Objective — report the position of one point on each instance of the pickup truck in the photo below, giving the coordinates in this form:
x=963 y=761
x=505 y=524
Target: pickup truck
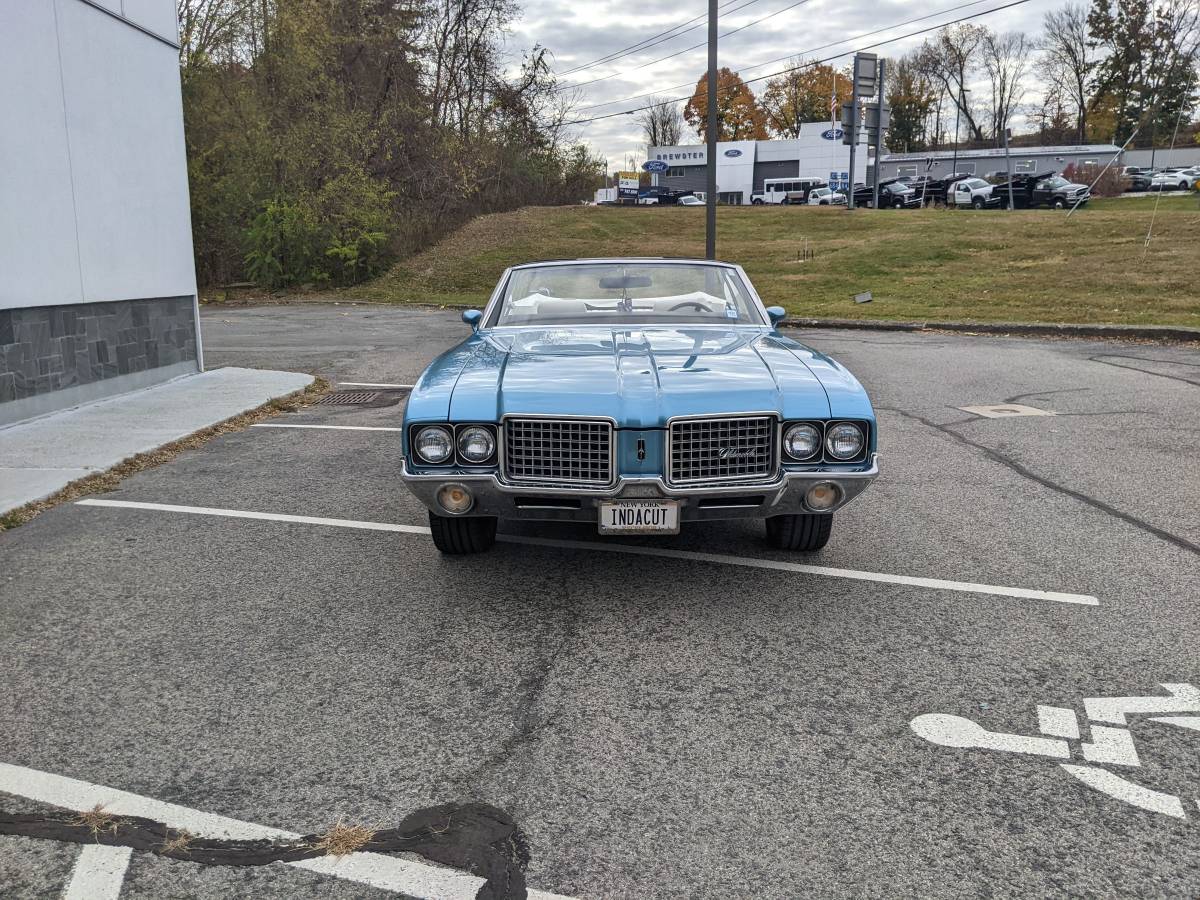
x=932 y=191
x=976 y=194
x=1044 y=189
x=893 y=194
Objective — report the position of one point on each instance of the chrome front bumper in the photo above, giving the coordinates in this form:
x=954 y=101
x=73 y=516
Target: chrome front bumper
x=493 y=497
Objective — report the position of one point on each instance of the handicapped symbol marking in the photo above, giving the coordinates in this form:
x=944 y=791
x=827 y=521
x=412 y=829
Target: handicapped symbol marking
x=1109 y=745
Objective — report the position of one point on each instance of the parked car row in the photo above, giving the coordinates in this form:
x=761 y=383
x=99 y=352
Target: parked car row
x=1172 y=178
x=964 y=190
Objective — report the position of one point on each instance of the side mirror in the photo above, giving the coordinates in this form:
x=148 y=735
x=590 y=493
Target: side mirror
x=472 y=317
x=777 y=314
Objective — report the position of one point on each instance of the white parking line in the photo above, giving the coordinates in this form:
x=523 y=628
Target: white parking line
x=246 y=514
x=691 y=555
x=387 y=872
x=368 y=384
x=99 y=873
x=328 y=427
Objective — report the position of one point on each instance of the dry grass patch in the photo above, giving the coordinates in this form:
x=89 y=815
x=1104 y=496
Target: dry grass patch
x=176 y=845
x=98 y=821
x=342 y=839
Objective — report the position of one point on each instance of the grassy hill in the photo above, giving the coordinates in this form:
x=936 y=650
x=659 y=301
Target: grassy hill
x=1024 y=266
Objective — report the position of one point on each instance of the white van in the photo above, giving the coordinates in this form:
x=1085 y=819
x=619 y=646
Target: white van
x=787 y=190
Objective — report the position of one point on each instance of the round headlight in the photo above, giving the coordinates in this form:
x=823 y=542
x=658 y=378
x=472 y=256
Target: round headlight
x=801 y=441
x=476 y=444
x=434 y=444
x=844 y=441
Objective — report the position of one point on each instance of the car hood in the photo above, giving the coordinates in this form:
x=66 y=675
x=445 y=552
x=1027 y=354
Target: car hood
x=637 y=376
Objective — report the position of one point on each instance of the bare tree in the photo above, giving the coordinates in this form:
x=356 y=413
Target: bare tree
x=950 y=59
x=661 y=122
x=209 y=27
x=1066 y=62
x=1006 y=62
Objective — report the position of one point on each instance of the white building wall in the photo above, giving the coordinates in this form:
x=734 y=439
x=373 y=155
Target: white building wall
x=93 y=170
x=818 y=151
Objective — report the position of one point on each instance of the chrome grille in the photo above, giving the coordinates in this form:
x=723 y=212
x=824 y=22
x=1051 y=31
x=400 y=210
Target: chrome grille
x=729 y=449
x=575 y=451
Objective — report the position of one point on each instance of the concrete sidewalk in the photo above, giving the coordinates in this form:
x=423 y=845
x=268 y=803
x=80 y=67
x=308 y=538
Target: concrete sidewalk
x=41 y=456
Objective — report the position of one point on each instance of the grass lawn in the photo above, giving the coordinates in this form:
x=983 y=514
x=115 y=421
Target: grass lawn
x=926 y=265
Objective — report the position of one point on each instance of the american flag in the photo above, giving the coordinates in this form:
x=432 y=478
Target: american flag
x=833 y=104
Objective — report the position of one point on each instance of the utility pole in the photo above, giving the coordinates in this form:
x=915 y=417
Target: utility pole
x=853 y=140
x=879 y=131
x=710 y=201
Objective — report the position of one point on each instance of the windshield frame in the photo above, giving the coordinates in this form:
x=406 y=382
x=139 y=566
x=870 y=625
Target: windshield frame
x=491 y=311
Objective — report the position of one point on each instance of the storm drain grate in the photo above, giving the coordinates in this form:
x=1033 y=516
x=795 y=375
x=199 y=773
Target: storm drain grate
x=348 y=398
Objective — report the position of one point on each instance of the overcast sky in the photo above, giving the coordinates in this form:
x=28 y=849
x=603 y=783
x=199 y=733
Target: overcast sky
x=578 y=33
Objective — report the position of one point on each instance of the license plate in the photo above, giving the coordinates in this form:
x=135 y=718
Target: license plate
x=639 y=517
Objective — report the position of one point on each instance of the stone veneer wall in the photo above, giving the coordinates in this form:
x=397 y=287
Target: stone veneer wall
x=50 y=348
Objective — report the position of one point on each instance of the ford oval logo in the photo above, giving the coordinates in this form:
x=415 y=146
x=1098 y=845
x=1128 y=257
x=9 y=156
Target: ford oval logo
x=656 y=165
x=733 y=152
x=832 y=134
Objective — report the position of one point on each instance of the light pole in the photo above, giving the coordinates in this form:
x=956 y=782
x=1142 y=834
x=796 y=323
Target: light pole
x=962 y=101
x=710 y=150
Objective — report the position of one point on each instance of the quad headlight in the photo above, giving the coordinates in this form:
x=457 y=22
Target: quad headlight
x=476 y=444
x=434 y=444
x=844 y=441
x=802 y=441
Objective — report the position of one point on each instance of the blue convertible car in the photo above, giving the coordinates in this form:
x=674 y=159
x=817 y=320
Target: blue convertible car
x=635 y=394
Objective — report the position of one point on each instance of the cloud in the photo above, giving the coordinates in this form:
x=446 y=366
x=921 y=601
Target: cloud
x=580 y=34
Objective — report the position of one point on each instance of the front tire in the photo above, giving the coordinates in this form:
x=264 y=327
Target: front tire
x=1060 y=203
x=756 y=202
x=977 y=203
x=804 y=532
x=458 y=537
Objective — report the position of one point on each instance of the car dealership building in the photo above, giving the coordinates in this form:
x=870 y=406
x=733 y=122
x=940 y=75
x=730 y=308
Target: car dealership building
x=97 y=279
x=743 y=166
x=1025 y=160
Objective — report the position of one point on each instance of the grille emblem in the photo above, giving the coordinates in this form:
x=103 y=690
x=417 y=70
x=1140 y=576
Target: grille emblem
x=735 y=452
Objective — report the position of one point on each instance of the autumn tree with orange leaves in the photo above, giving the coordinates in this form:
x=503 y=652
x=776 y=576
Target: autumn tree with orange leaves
x=802 y=94
x=739 y=117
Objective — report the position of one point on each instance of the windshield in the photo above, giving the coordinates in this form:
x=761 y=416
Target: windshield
x=1056 y=182
x=629 y=293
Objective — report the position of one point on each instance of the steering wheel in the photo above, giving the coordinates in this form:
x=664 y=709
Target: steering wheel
x=695 y=304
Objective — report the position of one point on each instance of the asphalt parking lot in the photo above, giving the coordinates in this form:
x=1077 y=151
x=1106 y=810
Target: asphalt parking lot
x=697 y=716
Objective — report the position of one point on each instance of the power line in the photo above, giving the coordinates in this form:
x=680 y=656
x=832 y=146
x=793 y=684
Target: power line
x=652 y=62
x=815 y=62
x=678 y=87
x=651 y=41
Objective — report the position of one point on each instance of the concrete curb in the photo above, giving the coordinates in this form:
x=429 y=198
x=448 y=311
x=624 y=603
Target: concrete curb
x=1167 y=334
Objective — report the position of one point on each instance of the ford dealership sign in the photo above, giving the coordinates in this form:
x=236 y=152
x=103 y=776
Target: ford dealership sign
x=656 y=165
x=832 y=134
x=733 y=151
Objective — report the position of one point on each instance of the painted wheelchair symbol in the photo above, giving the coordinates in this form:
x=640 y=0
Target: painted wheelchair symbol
x=1111 y=742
